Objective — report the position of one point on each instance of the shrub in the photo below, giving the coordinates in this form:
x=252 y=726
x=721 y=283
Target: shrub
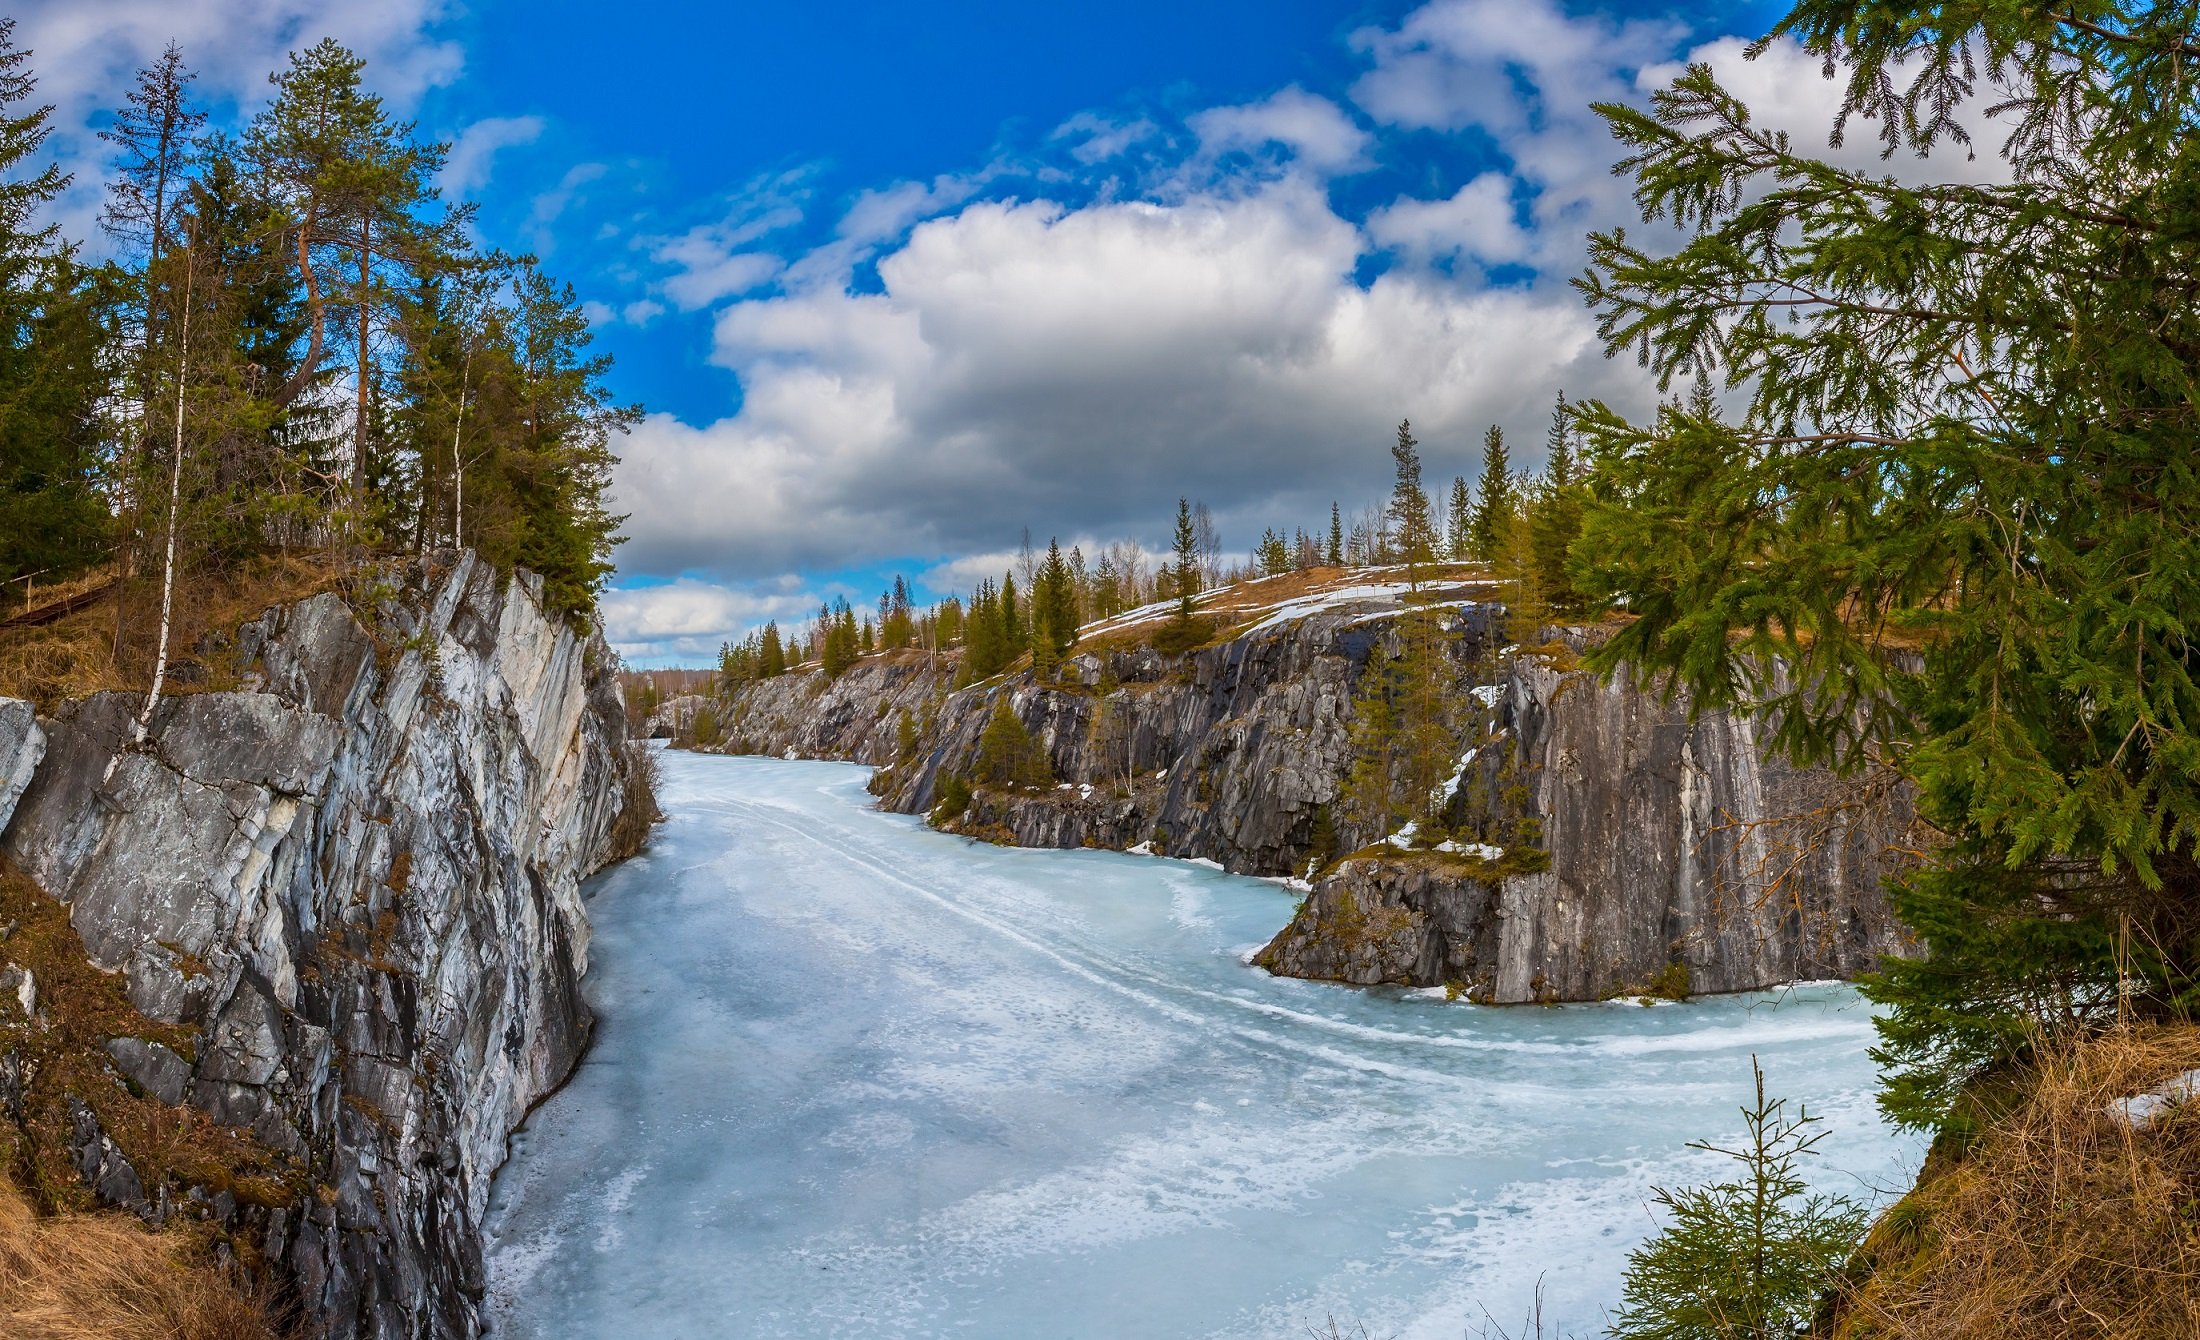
x=1007 y=755
x=638 y=809
x=1182 y=635
x=952 y=797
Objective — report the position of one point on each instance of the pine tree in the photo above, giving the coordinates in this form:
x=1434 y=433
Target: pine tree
x=1496 y=499
x=772 y=653
x=1954 y=528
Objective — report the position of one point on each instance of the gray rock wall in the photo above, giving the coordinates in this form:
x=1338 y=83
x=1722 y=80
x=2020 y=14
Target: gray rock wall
x=1665 y=840
x=1662 y=842
x=358 y=877
x=855 y=718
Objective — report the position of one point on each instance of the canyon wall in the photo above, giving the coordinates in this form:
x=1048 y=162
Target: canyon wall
x=345 y=898
x=1599 y=841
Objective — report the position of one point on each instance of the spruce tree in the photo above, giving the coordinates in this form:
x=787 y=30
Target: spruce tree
x=1184 y=572
x=1459 y=528
x=1496 y=499
x=1411 y=522
x=1334 y=555
x=1554 y=520
x=1054 y=606
x=1015 y=626
x=1953 y=528
x=53 y=339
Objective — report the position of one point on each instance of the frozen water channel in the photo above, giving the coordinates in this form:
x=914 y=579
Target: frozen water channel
x=856 y=1078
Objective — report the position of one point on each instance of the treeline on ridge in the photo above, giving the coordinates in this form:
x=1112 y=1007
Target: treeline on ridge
x=296 y=349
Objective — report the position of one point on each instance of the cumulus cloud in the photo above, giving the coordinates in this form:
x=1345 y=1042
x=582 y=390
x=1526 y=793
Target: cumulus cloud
x=688 y=620
x=474 y=150
x=1076 y=370
x=1074 y=363
x=1479 y=221
x=1316 y=131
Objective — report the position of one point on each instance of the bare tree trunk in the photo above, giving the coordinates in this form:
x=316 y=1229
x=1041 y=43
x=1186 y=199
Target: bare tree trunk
x=175 y=506
x=458 y=461
x=359 y=419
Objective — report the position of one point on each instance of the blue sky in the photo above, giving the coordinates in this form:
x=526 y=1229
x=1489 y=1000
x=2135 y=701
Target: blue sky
x=896 y=282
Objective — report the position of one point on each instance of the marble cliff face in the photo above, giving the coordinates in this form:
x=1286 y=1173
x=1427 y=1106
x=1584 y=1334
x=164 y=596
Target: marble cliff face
x=355 y=882
x=1659 y=843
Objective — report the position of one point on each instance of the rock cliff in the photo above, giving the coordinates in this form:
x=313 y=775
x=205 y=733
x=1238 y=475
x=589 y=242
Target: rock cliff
x=345 y=897
x=1601 y=841
x=1667 y=855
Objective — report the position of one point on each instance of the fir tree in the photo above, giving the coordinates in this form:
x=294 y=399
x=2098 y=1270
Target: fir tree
x=1554 y=518
x=1015 y=628
x=1054 y=607
x=1955 y=526
x=1007 y=754
x=53 y=334
x=1334 y=555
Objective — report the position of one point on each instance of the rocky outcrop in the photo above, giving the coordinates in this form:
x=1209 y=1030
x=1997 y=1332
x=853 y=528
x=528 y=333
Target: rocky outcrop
x=356 y=880
x=1233 y=753
x=1667 y=854
x=1601 y=840
x=855 y=718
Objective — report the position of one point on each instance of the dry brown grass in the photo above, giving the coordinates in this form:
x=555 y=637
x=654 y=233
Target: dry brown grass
x=104 y=1277
x=81 y=1007
x=78 y=654
x=2059 y=1223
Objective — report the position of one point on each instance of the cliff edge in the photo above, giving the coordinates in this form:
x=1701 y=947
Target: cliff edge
x=343 y=898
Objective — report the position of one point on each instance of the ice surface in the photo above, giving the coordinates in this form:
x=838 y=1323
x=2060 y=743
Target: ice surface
x=853 y=1078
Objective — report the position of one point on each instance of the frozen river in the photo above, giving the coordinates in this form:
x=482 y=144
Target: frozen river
x=852 y=1077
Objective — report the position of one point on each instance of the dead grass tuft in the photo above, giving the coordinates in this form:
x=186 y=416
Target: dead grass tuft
x=103 y=1277
x=2058 y=1222
x=63 y=1056
x=79 y=654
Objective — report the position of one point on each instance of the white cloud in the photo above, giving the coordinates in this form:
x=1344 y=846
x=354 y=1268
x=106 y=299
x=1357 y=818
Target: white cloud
x=473 y=151
x=726 y=258
x=1785 y=89
x=1479 y=220
x=1077 y=369
x=1522 y=72
x=1093 y=138
x=87 y=53
x=551 y=204
x=687 y=620
x=1315 y=130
